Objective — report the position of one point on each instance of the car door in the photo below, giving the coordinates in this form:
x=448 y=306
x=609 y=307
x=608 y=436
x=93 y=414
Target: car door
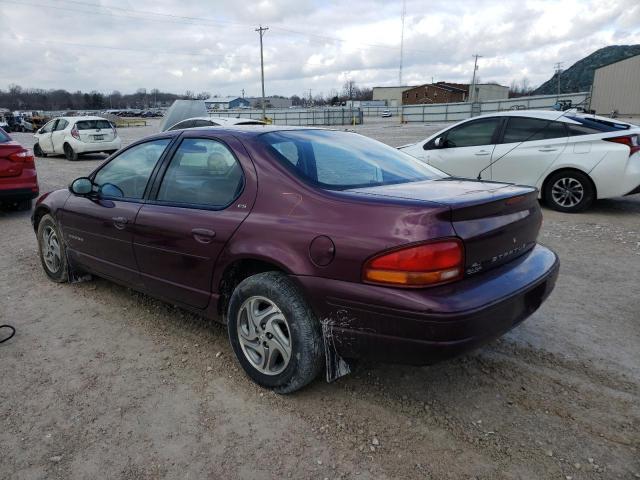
x=201 y=197
x=98 y=228
x=465 y=150
x=44 y=136
x=58 y=135
x=526 y=149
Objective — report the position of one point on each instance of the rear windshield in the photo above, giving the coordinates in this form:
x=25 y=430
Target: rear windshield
x=343 y=160
x=594 y=125
x=3 y=136
x=93 y=124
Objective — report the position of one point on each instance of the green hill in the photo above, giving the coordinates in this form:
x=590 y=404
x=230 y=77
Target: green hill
x=579 y=77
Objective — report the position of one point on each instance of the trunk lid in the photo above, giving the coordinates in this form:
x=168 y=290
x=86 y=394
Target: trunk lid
x=8 y=167
x=95 y=131
x=497 y=222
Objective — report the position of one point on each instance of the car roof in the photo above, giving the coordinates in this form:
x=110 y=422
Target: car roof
x=77 y=119
x=222 y=120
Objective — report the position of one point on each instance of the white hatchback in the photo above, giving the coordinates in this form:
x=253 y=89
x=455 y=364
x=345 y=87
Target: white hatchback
x=72 y=136
x=572 y=158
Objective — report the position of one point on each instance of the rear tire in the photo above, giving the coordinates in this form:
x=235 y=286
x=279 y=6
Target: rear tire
x=569 y=191
x=38 y=151
x=52 y=250
x=70 y=153
x=269 y=319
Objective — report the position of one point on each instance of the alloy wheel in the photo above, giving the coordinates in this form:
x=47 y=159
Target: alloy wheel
x=51 y=250
x=264 y=335
x=567 y=192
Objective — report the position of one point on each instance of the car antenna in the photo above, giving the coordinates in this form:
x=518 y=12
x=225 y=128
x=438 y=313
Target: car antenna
x=479 y=177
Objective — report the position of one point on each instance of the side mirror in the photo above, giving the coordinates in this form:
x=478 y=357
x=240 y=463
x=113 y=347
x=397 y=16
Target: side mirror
x=438 y=142
x=81 y=186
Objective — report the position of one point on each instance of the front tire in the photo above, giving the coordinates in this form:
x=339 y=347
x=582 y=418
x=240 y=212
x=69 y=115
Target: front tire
x=52 y=250
x=274 y=333
x=70 y=153
x=569 y=191
x=38 y=151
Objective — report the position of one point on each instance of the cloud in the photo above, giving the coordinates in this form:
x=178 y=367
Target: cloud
x=185 y=45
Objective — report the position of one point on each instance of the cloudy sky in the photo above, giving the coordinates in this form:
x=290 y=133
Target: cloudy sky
x=212 y=46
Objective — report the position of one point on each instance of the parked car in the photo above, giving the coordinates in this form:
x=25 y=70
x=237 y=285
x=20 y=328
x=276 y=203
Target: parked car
x=73 y=136
x=213 y=122
x=572 y=158
x=18 y=177
x=386 y=113
x=311 y=245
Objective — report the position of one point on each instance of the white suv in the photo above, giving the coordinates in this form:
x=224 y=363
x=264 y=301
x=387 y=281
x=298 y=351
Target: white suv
x=72 y=136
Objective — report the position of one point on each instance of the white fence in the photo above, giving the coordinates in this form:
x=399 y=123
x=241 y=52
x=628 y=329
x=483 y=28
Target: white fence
x=298 y=116
x=453 y=112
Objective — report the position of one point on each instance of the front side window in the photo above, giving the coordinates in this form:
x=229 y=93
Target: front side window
x=472 y=134
x=202 y=172
x=61 y=125
x=522 y=129
x=48 y=127
x=343 y=160
x=127 y=174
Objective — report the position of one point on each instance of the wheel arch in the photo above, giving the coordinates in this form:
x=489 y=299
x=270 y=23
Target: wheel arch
x=238 y=270
x=39 y=212
x=545 y=182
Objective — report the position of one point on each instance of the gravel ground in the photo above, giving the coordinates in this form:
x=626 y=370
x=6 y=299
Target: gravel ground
x=104 y=382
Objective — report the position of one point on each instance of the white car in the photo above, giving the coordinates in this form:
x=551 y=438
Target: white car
x=571 y=158
x=386 y=114
x=72 y=136
x=213 y=122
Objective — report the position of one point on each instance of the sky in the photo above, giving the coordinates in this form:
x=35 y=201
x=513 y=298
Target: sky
x=212 y=45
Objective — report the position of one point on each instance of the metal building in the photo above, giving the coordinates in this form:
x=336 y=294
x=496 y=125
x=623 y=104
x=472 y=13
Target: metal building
x=616 y=87
x=391 y=95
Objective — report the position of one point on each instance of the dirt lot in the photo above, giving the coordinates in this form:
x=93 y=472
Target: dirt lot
x=103 y=382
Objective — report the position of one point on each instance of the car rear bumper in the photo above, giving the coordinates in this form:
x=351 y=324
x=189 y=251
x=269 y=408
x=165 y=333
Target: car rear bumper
x=86 y=147
x=18 y=194
x=424 y=326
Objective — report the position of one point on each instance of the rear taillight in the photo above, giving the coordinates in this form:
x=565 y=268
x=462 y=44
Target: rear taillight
x=75 y=133
x=417 y=265
x=24 y=156
x=631 y=141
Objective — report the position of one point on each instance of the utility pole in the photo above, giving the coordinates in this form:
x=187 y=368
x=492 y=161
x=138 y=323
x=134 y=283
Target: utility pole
x=404 y=12
x=310 y=98
x=472 y=94
x=243 y=93
x=261 y=31
x=558 y=69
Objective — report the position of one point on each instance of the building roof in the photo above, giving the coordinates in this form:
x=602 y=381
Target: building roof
x=617 y=61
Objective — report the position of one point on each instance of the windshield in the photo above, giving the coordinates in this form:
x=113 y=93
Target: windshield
x=343 y=160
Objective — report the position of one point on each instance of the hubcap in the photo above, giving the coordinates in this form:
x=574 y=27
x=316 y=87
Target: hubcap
x=264 y=335
x=567 y=192
x=51 y=250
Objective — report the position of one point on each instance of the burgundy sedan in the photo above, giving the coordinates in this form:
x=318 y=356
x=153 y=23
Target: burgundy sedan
x=314 y=246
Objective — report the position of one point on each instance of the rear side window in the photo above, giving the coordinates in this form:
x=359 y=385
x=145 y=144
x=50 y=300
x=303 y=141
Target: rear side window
x=202 y=172
x=185 y=124
x=471 y=134
x=93 y=124
x=127 y=174
x=203 y=123
x=521 y=129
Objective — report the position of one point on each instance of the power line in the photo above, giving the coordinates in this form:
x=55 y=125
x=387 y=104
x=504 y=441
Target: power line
x=261 y=30
x=404 y=12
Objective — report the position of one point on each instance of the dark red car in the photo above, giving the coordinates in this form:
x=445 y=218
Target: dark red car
x=314 y=246
x=18 y=178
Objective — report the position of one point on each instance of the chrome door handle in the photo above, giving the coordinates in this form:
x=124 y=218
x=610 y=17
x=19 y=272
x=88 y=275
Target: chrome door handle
x=547 y=149
x=203 y=235
x=482 y=152
x=119 y=222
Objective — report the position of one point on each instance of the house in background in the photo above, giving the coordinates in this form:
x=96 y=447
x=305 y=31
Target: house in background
x=447 y=92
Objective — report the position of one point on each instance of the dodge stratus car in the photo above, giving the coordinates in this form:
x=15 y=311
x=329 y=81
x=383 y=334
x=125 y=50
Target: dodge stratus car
x=313 y=246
